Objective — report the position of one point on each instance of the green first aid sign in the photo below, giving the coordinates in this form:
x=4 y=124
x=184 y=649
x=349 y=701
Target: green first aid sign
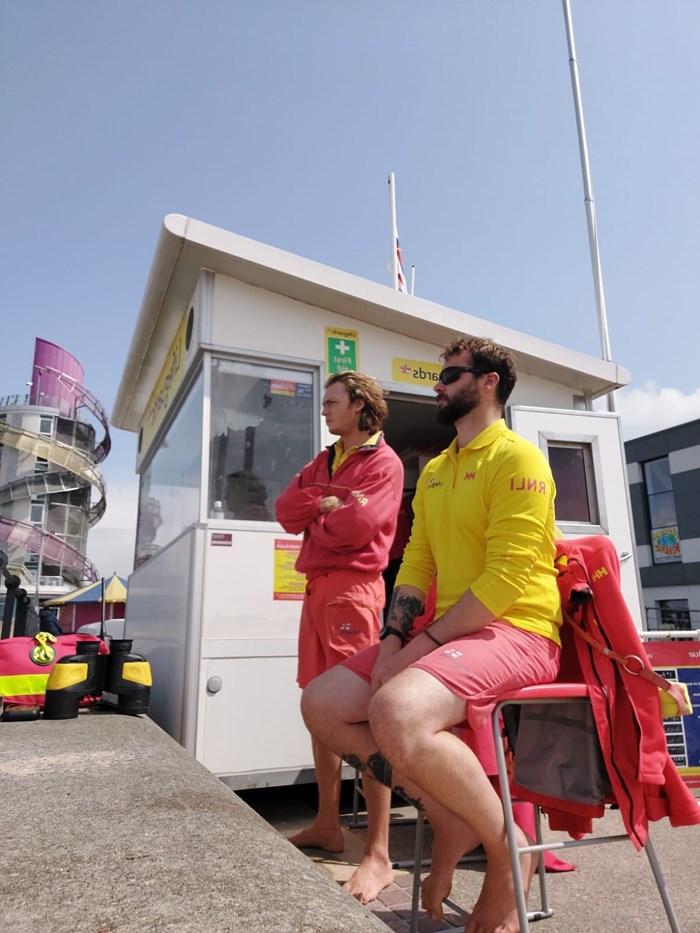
x=341 y=350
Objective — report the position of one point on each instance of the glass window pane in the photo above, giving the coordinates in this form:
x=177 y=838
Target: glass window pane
x=262 y=420
x=675 y=614
x=665 y=540
x=573 y=475
x=657 y=474
x=662 y=510
x=170 y=484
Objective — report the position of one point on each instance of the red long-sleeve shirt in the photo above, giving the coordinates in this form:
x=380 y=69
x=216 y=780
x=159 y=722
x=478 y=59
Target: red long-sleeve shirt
x=358 y=535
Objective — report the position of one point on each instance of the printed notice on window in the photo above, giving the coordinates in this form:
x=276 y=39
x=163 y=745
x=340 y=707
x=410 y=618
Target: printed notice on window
x=288 y=582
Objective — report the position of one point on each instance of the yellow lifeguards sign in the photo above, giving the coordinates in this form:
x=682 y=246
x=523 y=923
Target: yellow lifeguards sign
x=415 y=372
x=165 y=389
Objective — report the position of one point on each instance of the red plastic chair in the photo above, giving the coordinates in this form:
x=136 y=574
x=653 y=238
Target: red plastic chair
x=551 y=695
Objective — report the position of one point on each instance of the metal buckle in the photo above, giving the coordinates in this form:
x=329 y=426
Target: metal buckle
x=636 y=658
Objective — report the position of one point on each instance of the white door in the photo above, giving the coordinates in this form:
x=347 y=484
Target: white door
x=586 y=453
x=253 y=732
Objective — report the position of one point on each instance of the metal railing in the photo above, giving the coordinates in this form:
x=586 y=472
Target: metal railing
x=671 y=620
x=17 y=399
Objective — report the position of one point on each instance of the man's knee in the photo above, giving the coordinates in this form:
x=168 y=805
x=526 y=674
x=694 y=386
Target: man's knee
x=338 y=696
x=398 y=726
x=386 y=721
x=314 y=702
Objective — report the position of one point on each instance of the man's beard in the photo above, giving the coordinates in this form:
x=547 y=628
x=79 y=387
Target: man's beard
x=458 y=406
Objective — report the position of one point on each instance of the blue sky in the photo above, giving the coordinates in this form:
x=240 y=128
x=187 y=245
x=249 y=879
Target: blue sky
x=280 y=121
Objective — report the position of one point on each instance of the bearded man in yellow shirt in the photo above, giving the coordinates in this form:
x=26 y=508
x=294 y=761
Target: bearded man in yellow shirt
x=484 y=525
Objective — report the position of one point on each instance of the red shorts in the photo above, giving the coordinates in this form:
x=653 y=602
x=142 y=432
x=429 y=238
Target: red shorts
x=480 y=667
x=340 y=616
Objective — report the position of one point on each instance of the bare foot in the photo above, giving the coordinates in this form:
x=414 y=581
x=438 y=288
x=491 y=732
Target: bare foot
x=451 y=839
x=437 y=885
x=434 y=888
x=495 y=911
x=317 y=837
x=369 y=879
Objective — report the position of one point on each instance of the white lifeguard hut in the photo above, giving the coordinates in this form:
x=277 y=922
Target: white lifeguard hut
x=224 y=376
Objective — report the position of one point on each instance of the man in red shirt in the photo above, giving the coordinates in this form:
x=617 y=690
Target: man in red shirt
x=345 y=502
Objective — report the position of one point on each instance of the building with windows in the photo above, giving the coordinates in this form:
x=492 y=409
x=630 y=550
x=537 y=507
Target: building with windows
x=664 y=478
x=49 y=458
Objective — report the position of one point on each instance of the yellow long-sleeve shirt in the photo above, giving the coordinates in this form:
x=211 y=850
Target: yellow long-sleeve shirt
x=484 y=521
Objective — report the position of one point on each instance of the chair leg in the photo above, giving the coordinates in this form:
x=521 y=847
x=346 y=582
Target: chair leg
x=545 y=911
x=417 y=865
x=521 y=903
x=356 y=792
x=661 y=885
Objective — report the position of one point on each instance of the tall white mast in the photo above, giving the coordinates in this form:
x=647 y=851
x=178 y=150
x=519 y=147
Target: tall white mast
x=588 y=196
x=394 y=233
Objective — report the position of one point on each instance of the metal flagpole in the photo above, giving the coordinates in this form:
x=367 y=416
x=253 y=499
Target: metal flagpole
x=588 y=197
x=103 y=601
x=40 y=557
x=394 y=232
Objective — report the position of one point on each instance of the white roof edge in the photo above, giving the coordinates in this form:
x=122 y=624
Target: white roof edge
x=157 y=284
x=185 y=246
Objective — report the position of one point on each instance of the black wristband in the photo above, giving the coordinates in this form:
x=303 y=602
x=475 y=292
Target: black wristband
x=440 y=644
x=389 y=630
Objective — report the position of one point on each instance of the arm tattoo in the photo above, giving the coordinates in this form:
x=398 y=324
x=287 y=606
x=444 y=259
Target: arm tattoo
x=403 y=610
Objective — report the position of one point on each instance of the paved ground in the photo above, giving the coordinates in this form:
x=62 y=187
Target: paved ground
x=108 y=826
x=611 y=889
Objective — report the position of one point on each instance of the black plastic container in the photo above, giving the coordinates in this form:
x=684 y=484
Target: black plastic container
x=127 y=684
x=93 y=648
x=71 y=679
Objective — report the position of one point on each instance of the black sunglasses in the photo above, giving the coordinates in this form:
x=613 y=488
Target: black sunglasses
x=451 y=374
